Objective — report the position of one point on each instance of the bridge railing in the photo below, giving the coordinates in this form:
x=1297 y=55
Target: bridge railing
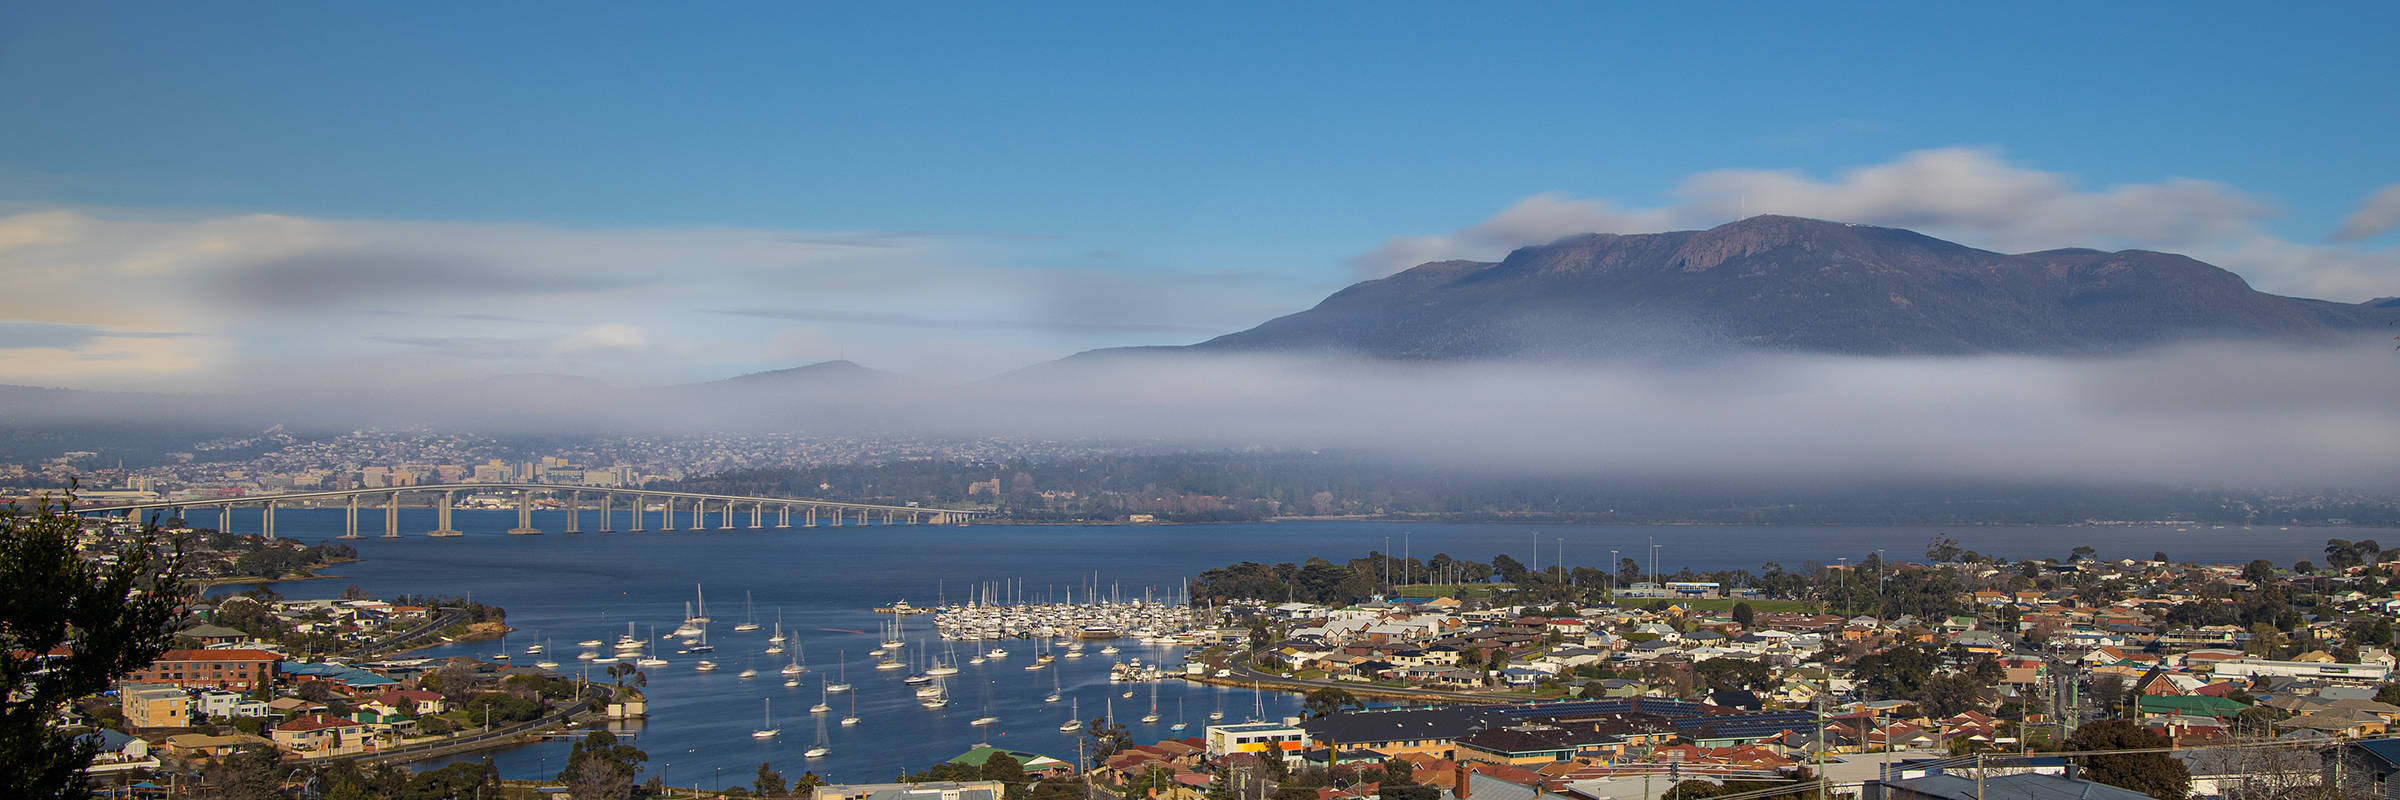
x=725 y=508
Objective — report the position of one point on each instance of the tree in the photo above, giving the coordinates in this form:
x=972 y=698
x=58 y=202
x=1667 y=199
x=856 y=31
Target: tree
x=1108 y=736
x=2155 y=774
x=1733 y=674
x=1002 y=767
x=105 y=619
x=2109 y=692
x=1511 y=570
x=807 y=785
x=2259 y=572
x=454 y=680
x=1327 y=701
x=249 y=773
x=1744 y=615
x=1945 y=695
x=600 y=762
x=597 y=779
x=769 y=781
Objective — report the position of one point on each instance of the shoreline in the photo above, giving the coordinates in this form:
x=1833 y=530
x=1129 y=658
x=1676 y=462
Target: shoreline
x=310 y=575
x=1448 y=520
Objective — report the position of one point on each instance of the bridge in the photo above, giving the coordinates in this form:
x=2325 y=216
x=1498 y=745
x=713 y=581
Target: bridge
x=638 y=502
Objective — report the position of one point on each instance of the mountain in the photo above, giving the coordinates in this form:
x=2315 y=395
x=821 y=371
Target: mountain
x=811 y=375
x=1790 y=284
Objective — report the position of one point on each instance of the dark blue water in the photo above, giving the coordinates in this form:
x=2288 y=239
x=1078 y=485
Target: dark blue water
x=569 y=587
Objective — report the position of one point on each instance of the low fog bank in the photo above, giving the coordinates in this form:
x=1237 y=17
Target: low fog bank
x=2233 y=415
x=2222 y=414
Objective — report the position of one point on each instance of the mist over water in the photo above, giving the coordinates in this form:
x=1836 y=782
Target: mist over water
x=2212 y=415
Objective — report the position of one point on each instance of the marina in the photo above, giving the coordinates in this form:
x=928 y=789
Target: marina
x=592 y=587
x=1067 y=625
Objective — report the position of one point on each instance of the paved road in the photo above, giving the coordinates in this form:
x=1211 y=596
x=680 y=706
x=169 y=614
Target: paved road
x=494 y=738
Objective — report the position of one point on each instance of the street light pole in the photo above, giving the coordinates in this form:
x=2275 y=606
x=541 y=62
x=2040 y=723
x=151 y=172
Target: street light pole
x=1843 y=581
x=1882 y=603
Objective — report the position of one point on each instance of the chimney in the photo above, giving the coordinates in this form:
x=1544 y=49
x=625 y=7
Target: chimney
x=2074 y=771
x=1459 y=781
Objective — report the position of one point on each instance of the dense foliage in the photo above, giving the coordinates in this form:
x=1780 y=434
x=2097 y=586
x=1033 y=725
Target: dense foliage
x=69 y=627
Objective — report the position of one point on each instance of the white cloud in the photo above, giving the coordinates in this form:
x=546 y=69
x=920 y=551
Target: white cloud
x=1969 y=195
x=2378 y=214
x=1533 y=220
x=1973 y=193
x=267 y=300
x=605 y=336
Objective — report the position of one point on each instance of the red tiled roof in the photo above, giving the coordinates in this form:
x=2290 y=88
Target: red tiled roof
x=316 y=722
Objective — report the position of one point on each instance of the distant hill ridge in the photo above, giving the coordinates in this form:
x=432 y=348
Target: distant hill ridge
x=1782 y=283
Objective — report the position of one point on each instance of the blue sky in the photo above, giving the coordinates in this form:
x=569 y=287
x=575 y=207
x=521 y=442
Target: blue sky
x=1239 y=160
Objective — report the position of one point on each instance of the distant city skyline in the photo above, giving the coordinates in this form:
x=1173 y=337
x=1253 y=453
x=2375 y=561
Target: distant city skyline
x=199 y=199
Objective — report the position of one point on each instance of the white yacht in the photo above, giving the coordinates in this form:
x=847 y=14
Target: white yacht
x=767 y=729
x=947 y=666
x=749 y=618
x=701 y=616
x=824 y=701
x=705 y=665
x=821 y=749
x=652 y=659
x=840 y=677
x=853 y=718
x=1074 y=714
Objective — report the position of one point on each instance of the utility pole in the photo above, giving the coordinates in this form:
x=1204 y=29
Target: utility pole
x=1979 y=775
x=1821 y=696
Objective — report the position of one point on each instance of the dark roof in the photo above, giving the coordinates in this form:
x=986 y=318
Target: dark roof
x=2387 y=749
x=1515 y=740
x=2028 y=786
x=1401 y=724
x=1746 y=726
x=1735 y=698
x=1671 y=709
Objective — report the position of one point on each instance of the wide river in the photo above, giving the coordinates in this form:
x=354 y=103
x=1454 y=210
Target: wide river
x=824 y=582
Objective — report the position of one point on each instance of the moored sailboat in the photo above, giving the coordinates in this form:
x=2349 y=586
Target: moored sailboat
x=749 y=616
x=822 y=748
x=766 y=728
